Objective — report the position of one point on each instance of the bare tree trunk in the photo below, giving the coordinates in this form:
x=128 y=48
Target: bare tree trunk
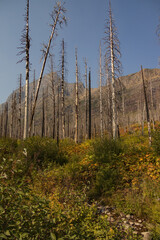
x=58 y=115
x=86 y=105
x=58 y=11
x=62 y=92
x=15 y=117
x=20 y=111
x=43 y=116
x=1 y=125
x=113 y=81
x=152 y=107
x=6 y=120
x=100 y=93
x=89 y=127
x=77 y=103
x=25 y=133
x=46 y=113
x=12 y=113
x=68 y=125
x=53 y=98
x=147 y=109
x=34 y=88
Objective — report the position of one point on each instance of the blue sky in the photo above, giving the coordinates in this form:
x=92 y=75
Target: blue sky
x=136 y=21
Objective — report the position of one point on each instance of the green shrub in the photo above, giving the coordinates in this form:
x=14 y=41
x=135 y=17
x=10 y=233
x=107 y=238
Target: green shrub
x=106 y=150
x=156 y=142
x=41 y=151
x=8 y=147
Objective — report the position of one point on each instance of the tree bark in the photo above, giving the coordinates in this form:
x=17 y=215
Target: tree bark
x=62 y=92
x=25 y=133
x=100 y=92
x=147 y=109
x=89 y=127
x=77 y=103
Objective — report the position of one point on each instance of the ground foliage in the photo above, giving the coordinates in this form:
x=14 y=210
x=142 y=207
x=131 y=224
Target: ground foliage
x=52 y=192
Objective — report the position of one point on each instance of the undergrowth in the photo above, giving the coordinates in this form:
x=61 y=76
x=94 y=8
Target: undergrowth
x=53 y=192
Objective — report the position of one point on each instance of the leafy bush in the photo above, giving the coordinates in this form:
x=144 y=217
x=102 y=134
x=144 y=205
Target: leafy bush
x=23 y=215
x=8 y=147
x=106 y=150
x=41 y=151
x=156 y=141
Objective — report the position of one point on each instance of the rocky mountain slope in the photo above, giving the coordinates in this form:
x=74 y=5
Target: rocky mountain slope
x=131 y=101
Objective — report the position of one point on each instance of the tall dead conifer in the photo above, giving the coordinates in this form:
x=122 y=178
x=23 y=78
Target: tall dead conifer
x=86 y=102
x=77 y=102
x=24 y=49
x=114 y=64
x=62 y=92
x=89 y=123
x=58 y=17
x=147 y=108
x=100 y=90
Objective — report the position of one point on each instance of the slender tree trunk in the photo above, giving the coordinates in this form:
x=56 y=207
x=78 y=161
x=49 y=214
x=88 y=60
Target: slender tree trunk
x=12 y=113
x=6 y=120
x=25 y=133
x=43 y=66
x=86 y=100
x=100 y=93
x=89 y=127
x=34 y=88
x=76 y=114
x=20 y=111
x=68 y=125
x=113 y=80
x=62 y=92
x=152 y=107
x=46 y=113
x=43 y=116
x=53 y=98
x=147 y=109
x=58 y=115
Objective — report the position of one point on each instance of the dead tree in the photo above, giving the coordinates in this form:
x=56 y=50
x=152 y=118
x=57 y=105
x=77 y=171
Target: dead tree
x=34 y=88
x=58 y=115
x=86 y=100
x=147 y=108
x=152 y=106
x=46 y=112
x=89 y=125
x=77 y=102
x=6 y=120
x=58 y=17
x=114 y=64
x=43 y=115
x=62 y=92
x=19 y=108
x=100 y=90
x=52 y=81
x=24 y=49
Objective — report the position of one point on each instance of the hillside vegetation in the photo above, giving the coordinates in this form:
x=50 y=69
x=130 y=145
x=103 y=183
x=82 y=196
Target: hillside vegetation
x=53 y=192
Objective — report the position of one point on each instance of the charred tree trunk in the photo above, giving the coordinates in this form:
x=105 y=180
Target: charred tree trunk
x=89 y=127
x=62 y=92
x=86 y=100
x=20 y=111
x=25 y=133
x=100 y=94
x=58 y=11
x=147 y=109
x=53 y=99
x=43 y=116
x=58 y=116
x=6 y=120
x=77 y=103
